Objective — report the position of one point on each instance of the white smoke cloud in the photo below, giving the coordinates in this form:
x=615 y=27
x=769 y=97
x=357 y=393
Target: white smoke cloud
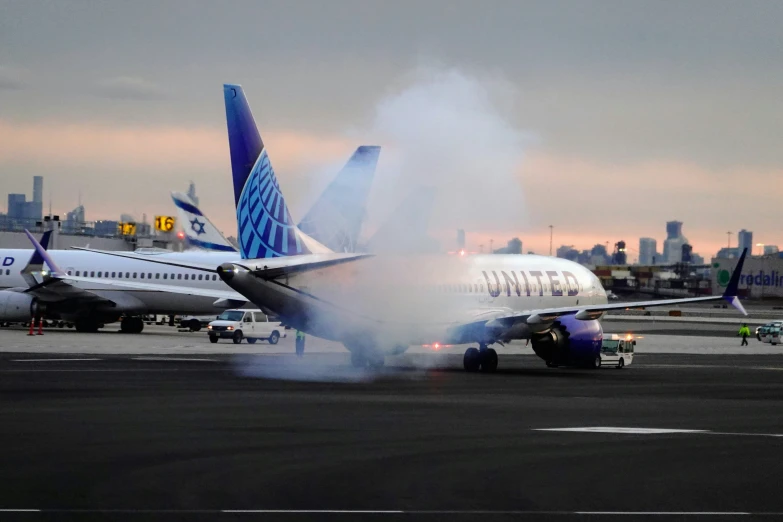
x=447 y=129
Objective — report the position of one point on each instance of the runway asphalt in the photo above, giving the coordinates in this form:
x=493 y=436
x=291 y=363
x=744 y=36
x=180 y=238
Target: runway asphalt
x=198 y=437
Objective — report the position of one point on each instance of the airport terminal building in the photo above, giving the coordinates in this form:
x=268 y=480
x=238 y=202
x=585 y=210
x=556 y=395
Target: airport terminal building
x=761 y=278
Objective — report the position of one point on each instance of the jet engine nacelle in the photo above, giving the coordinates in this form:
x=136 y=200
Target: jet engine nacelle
x=17 y=306
x=569 y=341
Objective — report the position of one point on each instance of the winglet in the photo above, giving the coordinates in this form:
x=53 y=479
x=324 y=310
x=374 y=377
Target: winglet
x=732 y=290
x=37 y=260
x=41 y=251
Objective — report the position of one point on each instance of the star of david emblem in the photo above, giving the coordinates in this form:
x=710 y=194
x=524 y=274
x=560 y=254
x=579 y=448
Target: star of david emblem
x=197 y=226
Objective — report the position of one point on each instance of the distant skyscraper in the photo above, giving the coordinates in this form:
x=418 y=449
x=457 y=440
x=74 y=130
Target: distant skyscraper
x=673 y=229
x=16 y=206
x=192 y=193
x=648 y=248
x=74 y=220
x=745 y=240
x=687 y=252
x=38 y=189
x=672 y=247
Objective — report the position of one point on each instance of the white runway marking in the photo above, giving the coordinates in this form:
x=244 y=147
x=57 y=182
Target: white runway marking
x=317 y=511
x=408 y=512
x=632 y=431
x=667 y=513
x=657 y=431
x=56 y=360
x=172 y=359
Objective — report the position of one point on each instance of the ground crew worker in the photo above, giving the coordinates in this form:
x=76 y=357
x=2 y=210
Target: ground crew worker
x=300 y=341
x=744 y=332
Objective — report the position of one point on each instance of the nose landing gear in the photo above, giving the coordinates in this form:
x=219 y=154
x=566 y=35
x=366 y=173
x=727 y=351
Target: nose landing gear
x=480 y=359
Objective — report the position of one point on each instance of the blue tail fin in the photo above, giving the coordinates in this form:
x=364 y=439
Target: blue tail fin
x=244 y=141
x=265 y=225
x=335 y=219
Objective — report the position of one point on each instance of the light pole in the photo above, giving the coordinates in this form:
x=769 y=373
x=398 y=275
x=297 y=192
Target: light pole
x=551 y=232
x=729 y=234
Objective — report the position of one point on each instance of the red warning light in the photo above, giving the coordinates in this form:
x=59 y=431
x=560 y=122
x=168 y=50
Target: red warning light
x=181 y=235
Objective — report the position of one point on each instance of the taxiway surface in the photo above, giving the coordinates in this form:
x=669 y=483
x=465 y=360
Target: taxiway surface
x=202 y=436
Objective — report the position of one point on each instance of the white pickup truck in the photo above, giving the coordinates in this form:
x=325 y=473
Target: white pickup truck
x=245 y=324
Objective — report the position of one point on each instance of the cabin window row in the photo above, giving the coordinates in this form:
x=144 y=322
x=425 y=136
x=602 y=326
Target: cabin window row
x=142 y=275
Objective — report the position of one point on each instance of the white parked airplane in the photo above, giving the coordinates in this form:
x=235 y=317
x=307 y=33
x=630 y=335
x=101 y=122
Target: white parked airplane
x=379 y=305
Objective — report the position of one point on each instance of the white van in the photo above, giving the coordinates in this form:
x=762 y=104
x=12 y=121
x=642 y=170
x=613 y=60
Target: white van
x=245 y=324
x=617 y=350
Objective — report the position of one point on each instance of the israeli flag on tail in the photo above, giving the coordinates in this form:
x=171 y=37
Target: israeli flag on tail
x=199 y=231
x=265 y=226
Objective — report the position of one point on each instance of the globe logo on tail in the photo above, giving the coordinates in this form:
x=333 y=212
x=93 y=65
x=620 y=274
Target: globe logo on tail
x=265 y=225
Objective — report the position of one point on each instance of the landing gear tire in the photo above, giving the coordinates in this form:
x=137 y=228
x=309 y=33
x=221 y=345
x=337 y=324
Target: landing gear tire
x=213 y=339
x=620 y=364
x=471 y=361
x=131 y=325
x=237 y=337
x=489 y=360
x=274 y=337
x=194 y=325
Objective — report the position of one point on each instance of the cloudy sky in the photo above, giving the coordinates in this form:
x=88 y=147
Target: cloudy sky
x=604 y=119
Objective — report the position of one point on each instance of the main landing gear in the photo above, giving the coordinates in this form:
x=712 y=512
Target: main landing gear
x=481 y=358
x=131 y=325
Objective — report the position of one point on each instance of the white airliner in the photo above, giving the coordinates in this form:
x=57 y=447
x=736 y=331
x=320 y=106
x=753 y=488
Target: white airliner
x=379 y=305
x=93 y=289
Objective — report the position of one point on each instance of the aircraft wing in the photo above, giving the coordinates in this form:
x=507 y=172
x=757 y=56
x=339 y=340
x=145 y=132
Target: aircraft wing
x=55 y=289
x=153 y=287
x=266 y=268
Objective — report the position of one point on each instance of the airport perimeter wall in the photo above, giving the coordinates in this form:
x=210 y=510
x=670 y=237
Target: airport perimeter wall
x=762 y=277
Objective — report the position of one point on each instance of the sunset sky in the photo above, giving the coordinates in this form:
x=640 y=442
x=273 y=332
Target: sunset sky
x=604 y=119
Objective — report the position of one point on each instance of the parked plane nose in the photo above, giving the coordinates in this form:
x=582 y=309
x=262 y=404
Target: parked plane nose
x=226 y=271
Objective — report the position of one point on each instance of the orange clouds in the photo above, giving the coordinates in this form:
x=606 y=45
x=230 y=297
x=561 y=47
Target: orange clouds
x=98 y=145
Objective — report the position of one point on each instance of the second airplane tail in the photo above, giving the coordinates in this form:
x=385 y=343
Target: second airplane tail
x=199 y=231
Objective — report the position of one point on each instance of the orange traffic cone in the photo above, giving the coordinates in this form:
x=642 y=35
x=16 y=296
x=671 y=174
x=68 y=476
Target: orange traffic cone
x=40 y=326
x=32 y=325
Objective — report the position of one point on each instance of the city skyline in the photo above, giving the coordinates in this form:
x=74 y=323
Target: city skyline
x=592 y=129
x=536 y=242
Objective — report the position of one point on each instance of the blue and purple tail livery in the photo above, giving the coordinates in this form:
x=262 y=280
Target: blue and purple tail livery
x=244 y=141
x=265 y=225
